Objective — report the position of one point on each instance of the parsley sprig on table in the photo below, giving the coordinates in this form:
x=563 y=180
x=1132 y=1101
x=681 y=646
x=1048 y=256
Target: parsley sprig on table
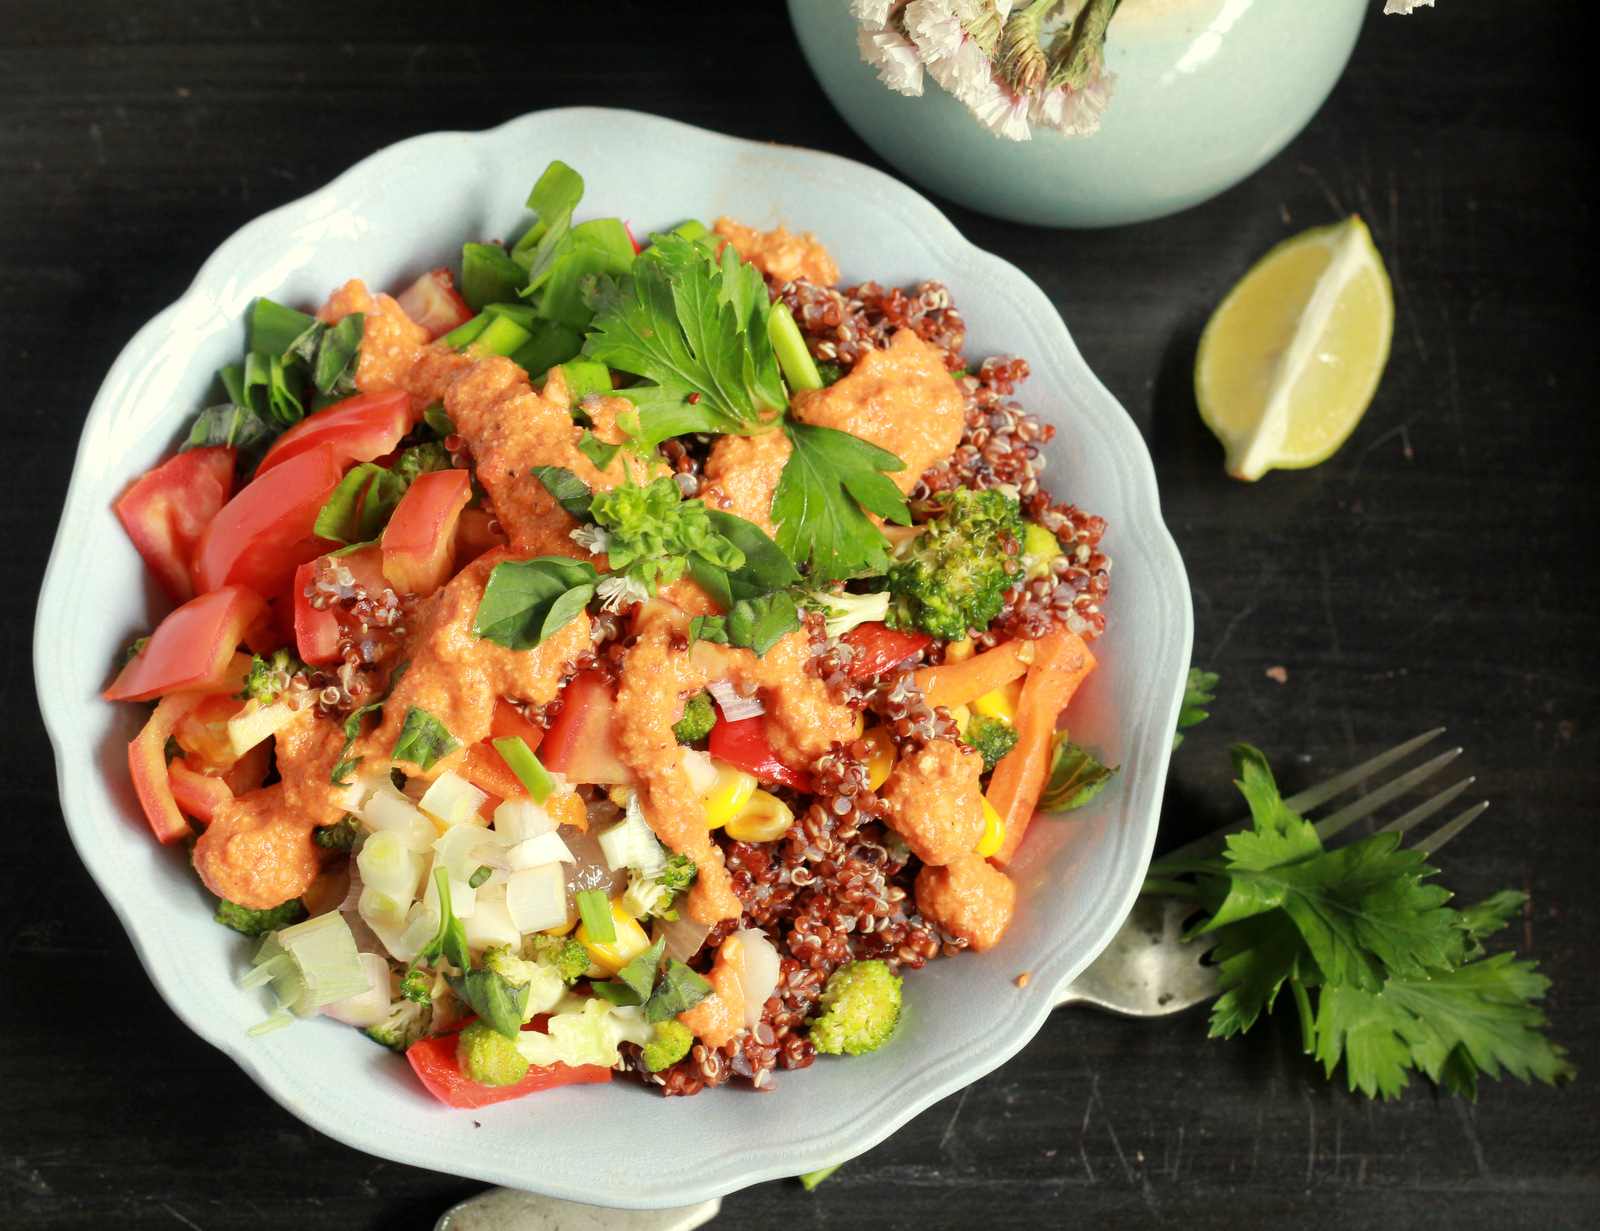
x=1387 y=977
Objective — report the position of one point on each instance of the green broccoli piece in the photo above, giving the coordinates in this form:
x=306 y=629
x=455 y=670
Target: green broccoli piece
x=991 y=737
x=417 y=985
x=843 y=611
x=699 y=716
x=341 y=836
x=954 y=575
x=860 y=1008
x=514 y=970
x=489 y=1058
x=269 y=676
x=677 y=875
x=406 y=1023
x=420 y=459
x=570 y=958
x=249 y=922
x=669 y=1044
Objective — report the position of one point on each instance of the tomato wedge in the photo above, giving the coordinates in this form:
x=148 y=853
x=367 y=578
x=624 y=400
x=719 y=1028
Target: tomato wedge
x=476 y=533
x=269 y=529
x=317 y=631
x=197 y=794
x=357 y=429
x=419 y=543
x=433 y=302
x=435 y=1064
x=509 y=722
x=165 y=511
x=878 y=647
x=743 y=744
x=147 y=766
x=192 y=649
x=580 y=742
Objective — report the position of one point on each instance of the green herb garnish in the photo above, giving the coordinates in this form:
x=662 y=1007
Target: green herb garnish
x=526 y=601
x=594 y=908
x=519 y=758
x=830 y=483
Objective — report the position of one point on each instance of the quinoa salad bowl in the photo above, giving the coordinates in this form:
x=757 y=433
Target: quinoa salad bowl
x=653 y=634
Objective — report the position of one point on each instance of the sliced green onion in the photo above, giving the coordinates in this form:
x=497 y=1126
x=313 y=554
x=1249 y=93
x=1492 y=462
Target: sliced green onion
x=812 y=1178
x=594 y=908
x=488 y=275
x=462 y=334
x=483 y=873
x=514 y=751
x=585 y=376
x=789 y=344
x=502 y=336
x=274 y=328
x=441 y=423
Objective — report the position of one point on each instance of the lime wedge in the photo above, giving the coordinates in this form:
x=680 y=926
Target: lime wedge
x=1289 y=361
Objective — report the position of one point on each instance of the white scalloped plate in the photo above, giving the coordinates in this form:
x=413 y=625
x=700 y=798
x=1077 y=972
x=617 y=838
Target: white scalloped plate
x=408 y=208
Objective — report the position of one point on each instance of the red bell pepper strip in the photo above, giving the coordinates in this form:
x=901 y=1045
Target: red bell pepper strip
x=485 y=769
x=878 y=647
x=743 y=744
x=419 y=543
x=147 y=766
x=167 y=509
x=581 y=743
x=357 y=429
x=192 y=649
x=435 y=1064
x=197 y=794
x=269 y=529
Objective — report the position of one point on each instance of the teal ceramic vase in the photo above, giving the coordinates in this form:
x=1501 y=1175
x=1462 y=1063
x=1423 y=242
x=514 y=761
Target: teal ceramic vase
x=1206 y=91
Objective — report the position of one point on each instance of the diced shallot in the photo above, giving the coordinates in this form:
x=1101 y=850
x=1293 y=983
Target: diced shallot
x=536 y=898
x=683 y=935
x=759 y=978
x=733 y=703
x=366 y=1008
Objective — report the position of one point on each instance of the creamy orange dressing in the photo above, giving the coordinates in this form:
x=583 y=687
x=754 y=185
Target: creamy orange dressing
x=780 y=254
x=742 y=473
x=970 y=897
x=902 y=399
x=390 y=340
x=720 y=1016
x=935 y=802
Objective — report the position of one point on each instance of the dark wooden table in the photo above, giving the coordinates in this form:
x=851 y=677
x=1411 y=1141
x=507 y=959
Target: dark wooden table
x=1432 y=572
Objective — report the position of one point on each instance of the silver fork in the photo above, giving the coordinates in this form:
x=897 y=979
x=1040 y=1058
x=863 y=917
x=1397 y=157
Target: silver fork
x=1149 y=970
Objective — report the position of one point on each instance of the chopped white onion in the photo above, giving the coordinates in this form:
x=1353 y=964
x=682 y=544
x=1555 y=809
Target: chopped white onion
x=459 y=850
x=366 y=1008
x=546 y=848
x=759 y=977
x=255 y=723
x=353 y=795
x=733 y=703
x=380 y=909
x=536 y=898
x=352 y=893
x=491 y=922
x=517 y=820
x=389 y=811
x=387 y=864
x=700 y=769
x=683 y=935
x=452 y=800
x=463 y=897
x=632 y=844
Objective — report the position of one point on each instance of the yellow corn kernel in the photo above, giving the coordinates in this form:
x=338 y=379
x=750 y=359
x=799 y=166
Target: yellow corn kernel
x=563 y=929
x=861 y=725
x=961 y=716
x=994 y=832
x=766 y=818
x=959 y=651
x=1001 y=703
x=728 y=794
x=880 y=760
x=631 y=941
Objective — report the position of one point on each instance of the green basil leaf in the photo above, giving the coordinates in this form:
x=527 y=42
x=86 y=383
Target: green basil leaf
x=334 y=371
x=566 y=608
x=713 y=580
x=679 y=989
x=521 y=596
x=423 y=740
x=439 y=422
x=493 y=999
x=1076 y=777
x=766 y=568
x=488 y=275
x=597 y=450
x=352 y=729
x=228 y=424
x=360 y=506
x=571 y=492
x=640 y=973
x=760 y=623
x=617 y=993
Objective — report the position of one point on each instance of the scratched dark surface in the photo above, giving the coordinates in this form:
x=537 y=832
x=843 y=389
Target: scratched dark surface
x=1432 y=571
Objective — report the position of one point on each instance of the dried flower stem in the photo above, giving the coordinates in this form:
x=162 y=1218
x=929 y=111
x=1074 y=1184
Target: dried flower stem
x=1077 y=53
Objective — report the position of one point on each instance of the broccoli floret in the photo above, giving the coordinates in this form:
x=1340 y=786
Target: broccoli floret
x=699 y=716
x=570 y=958
x=420 y=459
x=341 y=836
x=669 y=1044
x=860 y=1007
x=406 y=1023
x=249 y=922
x=953 y=576
x=269 y=676
x=991 y=737
x=489 y=1058
x=417 y=985
x=678 y=874
x=843 y=611
x=829 y=372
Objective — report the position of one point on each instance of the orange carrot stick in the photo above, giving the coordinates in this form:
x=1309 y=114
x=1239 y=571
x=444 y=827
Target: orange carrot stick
x=965 y=681
x=1061 y=663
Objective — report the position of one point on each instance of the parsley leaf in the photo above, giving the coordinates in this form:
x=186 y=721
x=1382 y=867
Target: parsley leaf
x=1197 y=693
x=423 y=740
x=527 y=600
x=712 y=628
x=760 y=623
x=694 y=329
x=651 y=532
x=830 y=482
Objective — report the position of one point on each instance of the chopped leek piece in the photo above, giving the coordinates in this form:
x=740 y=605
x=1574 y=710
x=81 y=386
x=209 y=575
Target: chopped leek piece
x=789 y=344
x=594 y=908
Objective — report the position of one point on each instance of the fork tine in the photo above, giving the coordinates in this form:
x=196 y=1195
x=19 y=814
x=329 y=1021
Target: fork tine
x=1369 y=803
x=1451 y=829
x=1408 y=821
x=1340 y=783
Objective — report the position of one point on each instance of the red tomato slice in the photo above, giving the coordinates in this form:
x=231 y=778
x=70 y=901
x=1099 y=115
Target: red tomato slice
x=580 y=742
x=147 y=766
x=317 y=632
x=192 y=649
x=357 y=429
x=269 y=529
x=510 y=722
x=434 y=1062
x=165 y=511
x=197 y=794
x=419 y=543
x=476 y=533
x=879 y=647
x=433 y=302
x=744 y=745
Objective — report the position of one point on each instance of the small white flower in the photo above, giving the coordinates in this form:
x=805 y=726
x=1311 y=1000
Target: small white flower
x=618 y=590
x=873 y=14
x=1075 y=113
x=1404 y=7
x=935 y=27
x=595 y=540
x=895 y=58
x=966 y=73
x=1005 y=114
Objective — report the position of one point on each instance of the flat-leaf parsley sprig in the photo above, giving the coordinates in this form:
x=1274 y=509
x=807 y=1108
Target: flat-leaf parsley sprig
x=1386 y=975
